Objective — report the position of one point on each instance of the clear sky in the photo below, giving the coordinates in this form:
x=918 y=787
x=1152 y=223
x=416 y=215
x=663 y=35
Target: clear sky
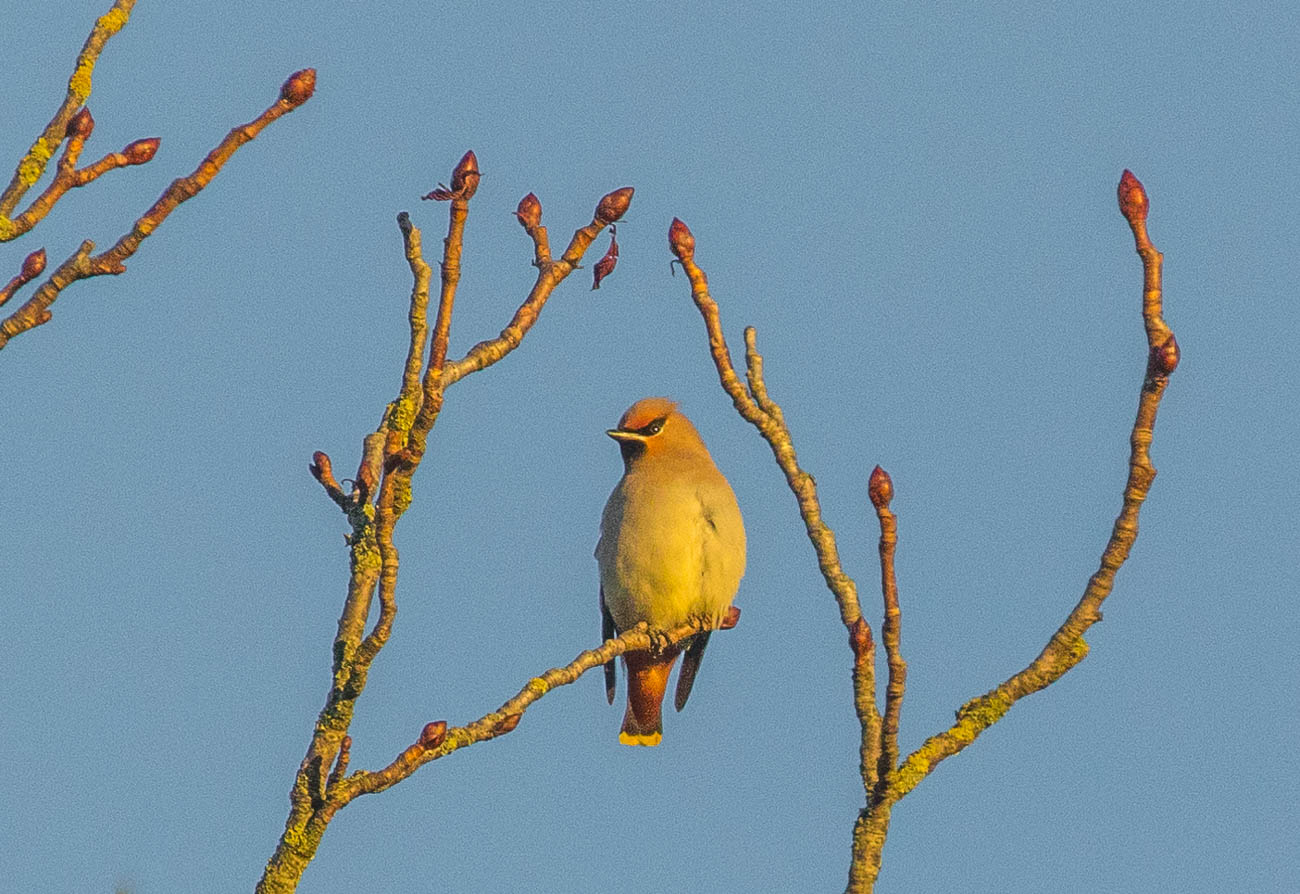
x=915 y=206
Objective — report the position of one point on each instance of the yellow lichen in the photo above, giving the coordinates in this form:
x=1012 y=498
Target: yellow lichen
x=403 y=415
x=401 y=494
x=33 y=165
x=112 y=21
x=365 y=554
x=80 y=83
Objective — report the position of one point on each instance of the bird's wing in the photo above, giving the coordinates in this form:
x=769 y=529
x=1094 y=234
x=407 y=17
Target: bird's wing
x=695 y=651
x=690 y=666
x=607 y=632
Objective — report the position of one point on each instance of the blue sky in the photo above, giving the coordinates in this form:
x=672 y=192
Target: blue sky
x=914 y=205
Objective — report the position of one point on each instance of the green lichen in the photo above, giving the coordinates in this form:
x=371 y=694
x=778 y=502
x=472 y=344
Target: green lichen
x=365 y=554
x=8 y=229
x=402 y=414
x=979 y=714
x=973 y=718
x=910 y=773
x=401 y=494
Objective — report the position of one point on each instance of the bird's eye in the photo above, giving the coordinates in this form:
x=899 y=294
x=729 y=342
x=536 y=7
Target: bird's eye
x=655 y=427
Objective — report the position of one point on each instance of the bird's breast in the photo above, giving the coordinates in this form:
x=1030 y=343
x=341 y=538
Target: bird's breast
x=671 y=549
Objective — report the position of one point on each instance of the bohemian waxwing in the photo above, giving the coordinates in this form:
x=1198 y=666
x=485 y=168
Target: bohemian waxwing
x=672 y=548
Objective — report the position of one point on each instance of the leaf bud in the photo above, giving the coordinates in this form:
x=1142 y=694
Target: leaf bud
x=529 y=212
x=1133 y=202
x=299 y=87
x=614 y=205
x=680 y=240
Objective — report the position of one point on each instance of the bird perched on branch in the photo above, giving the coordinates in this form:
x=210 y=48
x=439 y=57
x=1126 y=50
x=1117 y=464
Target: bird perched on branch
x=672 y=549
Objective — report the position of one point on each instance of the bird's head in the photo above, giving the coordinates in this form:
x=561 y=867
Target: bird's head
x=655 y=427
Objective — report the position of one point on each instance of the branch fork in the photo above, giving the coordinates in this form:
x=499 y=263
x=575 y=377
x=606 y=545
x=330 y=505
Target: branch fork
x=381 y=493
x=886 y=778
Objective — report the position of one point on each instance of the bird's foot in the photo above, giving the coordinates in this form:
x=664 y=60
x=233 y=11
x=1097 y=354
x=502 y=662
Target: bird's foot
x=659 y=641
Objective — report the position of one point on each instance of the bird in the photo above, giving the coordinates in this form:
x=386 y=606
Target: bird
x=671 y=549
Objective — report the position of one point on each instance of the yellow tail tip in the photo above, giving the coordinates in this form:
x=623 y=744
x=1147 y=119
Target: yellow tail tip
x=637 y=739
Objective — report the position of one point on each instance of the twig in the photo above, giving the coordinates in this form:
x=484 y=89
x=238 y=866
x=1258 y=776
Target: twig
x=390 y=458
x=885 y=780
x=33 y=163
x=550 y=274
x=1067 y=646
x=82 y=264
x=756 y=406
x=880 y=488
x=68 y=176
x=33 y=266
x=506 y=718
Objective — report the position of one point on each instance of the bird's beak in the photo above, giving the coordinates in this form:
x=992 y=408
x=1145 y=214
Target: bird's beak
x=625 y=437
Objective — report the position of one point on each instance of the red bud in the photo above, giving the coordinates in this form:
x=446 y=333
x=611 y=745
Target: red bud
x=614 y=205
x=299 y=87
x=433 y=734
x=731 y=618
x=1133 y=202
x=880 y=488
x=141 y=151
x=860 y=637
x=464 y=179
x=321 y=468
x=508 y=723
x=33 y=265
x=529 y=212
x=680 y=240
x=605 y=266
x=1165 y=356
x=81 y=124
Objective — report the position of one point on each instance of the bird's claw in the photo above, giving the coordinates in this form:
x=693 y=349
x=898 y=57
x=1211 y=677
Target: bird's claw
x=659 y=642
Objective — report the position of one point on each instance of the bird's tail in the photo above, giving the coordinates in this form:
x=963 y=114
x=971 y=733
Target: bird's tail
x=647 y=680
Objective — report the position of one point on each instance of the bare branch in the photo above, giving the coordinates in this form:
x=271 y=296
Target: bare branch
x=32 y=165
x=550 y=274
x=1067 y=646
x=390 y=458
x=880 y=488
x=757 y=407
x=506 y=718
x=81 y=265
x=885 y=780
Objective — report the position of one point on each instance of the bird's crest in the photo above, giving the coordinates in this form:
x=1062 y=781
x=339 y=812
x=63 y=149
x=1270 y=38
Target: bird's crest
x=646 y=411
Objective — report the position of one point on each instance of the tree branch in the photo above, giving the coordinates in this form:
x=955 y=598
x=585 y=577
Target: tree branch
x=885 y=780
x=381 y=495
x=32 y=165
x=757 y=407
x=506 y=718
x=881 y=491
x=1067 y=646
x=82 y=264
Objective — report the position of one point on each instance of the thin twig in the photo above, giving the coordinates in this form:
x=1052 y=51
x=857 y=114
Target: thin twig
x=880 y=488
x=390 y=458
x=757 y=407
x=506 y=718
x=885 y=780
x=550 y=274
x=1067 y=646
x=82 y=264
x=32 y=165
